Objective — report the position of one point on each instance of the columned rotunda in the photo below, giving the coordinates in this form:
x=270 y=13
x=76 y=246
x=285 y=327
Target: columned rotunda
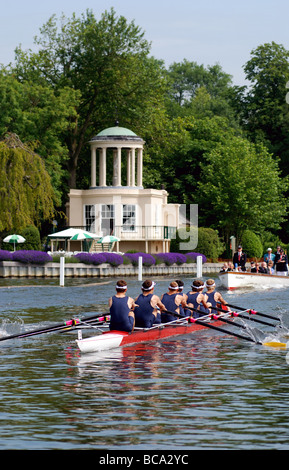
x=122 y=143
x=116 y=202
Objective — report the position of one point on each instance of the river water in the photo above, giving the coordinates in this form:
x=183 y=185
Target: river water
x=204 y=391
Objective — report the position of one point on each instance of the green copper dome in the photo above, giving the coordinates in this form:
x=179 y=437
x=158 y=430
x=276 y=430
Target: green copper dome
x=116 y=133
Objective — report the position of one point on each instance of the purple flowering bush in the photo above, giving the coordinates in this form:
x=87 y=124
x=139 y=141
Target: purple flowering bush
x=113 y=259
x=98 y=258
x=170 y=258
x=192 y=257
x=147 y=259
x=91 y=258
x=5 y=255
x=31 y=257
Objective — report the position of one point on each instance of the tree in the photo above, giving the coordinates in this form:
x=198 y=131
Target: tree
x=108 y=63
x=26 y=193
x=240 y=188
x=40 y=115
x=262 y=106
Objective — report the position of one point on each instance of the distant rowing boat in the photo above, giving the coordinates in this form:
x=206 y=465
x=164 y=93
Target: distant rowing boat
x=114 y=339
x=233 y=280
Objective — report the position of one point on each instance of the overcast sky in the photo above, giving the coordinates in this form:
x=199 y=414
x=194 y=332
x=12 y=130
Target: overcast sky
x=204 y=31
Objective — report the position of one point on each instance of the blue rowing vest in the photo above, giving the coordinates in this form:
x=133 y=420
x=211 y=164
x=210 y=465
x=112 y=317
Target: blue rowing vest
x=119 y=319
x=211 y=298
x=170 y=304
x=192 y=299
x=144 y=317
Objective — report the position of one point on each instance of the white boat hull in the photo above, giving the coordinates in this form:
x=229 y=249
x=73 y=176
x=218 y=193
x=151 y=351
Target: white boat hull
x=234 y=280
x=100 y=342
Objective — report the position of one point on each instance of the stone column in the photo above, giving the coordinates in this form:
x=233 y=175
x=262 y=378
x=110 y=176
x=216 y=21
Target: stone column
x=93 y=168
x=128 y=171
x=102 y=167
x=117 y=167
x=139 y=166
x=133 y=167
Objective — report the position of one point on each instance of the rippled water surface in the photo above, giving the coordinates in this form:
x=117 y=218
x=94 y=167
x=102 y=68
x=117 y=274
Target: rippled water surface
x=207 y=390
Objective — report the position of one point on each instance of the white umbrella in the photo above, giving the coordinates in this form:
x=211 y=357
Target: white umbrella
x=108 y=239
x=84 y=236
x=14 y=238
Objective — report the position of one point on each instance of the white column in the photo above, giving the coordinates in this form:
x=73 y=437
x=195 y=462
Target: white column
x=102 y=167
x=117 y=167
x=128 y=171
x=118 y=181
x=93 y=167
x=139 y=166
x=133 y=167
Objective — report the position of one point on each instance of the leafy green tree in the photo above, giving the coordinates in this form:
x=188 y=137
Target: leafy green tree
x=107 y=61
x=26 y=193
x=240 y=188
x=262 y=105
x=40 y=115
x=252 y=244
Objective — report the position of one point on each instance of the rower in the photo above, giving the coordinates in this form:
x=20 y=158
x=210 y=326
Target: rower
x=195 y=299
x=147 y=305
x=121 y=309
x=180 y=291
x=212 y=297
x=172 y=301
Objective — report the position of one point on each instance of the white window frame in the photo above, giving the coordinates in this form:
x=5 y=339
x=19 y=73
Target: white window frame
x=130 y=225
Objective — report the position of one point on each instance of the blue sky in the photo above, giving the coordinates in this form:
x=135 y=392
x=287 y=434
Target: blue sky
x=204 y=31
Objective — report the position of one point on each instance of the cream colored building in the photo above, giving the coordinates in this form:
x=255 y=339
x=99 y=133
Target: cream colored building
x=116 y=202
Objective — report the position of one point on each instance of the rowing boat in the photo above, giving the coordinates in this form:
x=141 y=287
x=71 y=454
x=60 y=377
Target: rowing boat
x=233 y=280
x=115 y=339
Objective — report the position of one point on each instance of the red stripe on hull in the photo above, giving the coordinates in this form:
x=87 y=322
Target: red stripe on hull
x=161 y=332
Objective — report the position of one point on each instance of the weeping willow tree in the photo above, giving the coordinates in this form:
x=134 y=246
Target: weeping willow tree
x=26 y=193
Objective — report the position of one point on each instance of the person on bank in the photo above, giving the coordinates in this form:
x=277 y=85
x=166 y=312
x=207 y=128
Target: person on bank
x=147 y=306
x=213 y=298
x=281 y=263
x=240 y=259
x=172 y=301
x=195 y=299
x=121 y=309
x=269 y=256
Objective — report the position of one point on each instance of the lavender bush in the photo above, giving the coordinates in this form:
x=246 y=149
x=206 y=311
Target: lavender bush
x=113 y=259
x=98 y=258
x=147 y=259
x=192 y=257
x=5 y=255
x=91 y=258
x=31 y=257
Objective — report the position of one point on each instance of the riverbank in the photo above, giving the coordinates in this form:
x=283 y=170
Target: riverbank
x=49 y=270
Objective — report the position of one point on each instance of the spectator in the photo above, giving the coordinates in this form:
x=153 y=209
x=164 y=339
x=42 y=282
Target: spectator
x=269 y=256
x=281 y=263
x=240 y=259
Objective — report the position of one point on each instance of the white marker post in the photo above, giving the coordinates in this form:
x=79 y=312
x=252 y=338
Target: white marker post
x=199 y=266
x=140 y=268
x=62 y=264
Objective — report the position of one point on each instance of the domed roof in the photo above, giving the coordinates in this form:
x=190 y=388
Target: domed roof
x=116 y=130
x=117 y=133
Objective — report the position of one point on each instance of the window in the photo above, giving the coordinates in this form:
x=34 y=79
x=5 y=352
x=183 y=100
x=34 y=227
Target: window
x=107 y=219
x=89 y=214
x=128 y=217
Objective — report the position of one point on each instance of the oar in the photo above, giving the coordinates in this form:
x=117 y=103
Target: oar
x=247 y=338
x=254 y=312
x=236 y=314
x=69 y=324
x=214 y=327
